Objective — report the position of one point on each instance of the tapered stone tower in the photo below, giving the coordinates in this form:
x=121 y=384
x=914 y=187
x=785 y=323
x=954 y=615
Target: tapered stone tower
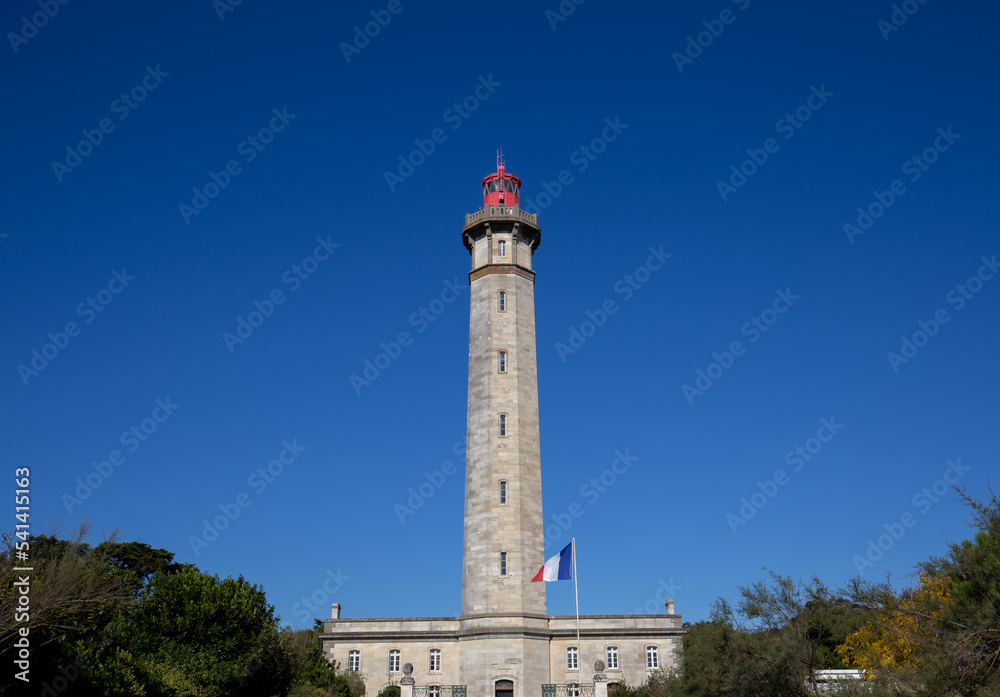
x=504 y=543
x=503 y=644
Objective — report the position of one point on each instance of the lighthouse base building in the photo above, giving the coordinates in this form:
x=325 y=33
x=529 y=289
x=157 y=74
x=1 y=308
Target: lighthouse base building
x=504 y=644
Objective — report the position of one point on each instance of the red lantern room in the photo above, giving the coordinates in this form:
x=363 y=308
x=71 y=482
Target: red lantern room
x=501 y=188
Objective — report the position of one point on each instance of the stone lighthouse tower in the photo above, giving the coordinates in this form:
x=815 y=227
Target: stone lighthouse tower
x=503 y=483
x=504 y=538
x=504 y=644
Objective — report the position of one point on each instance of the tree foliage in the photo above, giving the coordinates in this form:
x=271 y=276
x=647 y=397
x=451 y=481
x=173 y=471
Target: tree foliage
x=943 y=636
x=191 y=633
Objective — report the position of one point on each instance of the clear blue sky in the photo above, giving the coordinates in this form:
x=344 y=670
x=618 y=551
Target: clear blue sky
x=866 y=99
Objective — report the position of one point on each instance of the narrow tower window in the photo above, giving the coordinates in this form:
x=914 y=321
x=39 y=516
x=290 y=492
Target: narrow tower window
x=503 y=424
x=503 y=361
x=503 y=563
x=502 y=248
x=435 y=659
x=503 y=492
x=394 y=661
x=503 y=301
x=572 y=658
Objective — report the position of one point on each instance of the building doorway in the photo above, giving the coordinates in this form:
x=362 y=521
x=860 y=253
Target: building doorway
x=504 y=688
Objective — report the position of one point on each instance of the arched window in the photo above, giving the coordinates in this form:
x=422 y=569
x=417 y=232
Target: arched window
x=502 y=248
x=503 y=563
x=503 y=301
x=503 y=491
x=503 y=424
x=354 y=660
x=652 y=658
x=394 y=661
x=572 y=658
x=503 y=361
x=435 y=659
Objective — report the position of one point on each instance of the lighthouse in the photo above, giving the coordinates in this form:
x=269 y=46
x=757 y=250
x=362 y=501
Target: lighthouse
x=504 y=538
x=505 y=644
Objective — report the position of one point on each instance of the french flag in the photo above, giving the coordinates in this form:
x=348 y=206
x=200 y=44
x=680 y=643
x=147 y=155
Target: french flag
x=558 y=568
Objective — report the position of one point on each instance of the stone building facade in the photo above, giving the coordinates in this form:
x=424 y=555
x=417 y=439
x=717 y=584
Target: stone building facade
x=504 y=644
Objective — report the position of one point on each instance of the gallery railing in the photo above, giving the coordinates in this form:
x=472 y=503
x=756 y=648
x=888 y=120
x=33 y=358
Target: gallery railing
x=439 y=691
x=568 y=690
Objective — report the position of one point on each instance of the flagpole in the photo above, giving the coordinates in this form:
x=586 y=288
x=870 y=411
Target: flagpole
x=576 y=594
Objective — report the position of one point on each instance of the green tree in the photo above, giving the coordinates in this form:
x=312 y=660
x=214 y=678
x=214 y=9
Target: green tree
x=771 y=642
x=941 y=637
x=191 y=633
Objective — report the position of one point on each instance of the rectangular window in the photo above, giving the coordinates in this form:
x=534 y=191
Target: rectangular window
x=652 y=659
x=435 y=659
x=572 y=658
x=503 y=361
x=394 y=661
x=502 y=248
x=354 y=660
x=503 y=563
x=503 y=301
x=433 y=691
x=503 y=492
x=612 y=658
x=503 y=424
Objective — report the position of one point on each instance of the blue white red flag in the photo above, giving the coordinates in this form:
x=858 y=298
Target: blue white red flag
x=558 y=568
